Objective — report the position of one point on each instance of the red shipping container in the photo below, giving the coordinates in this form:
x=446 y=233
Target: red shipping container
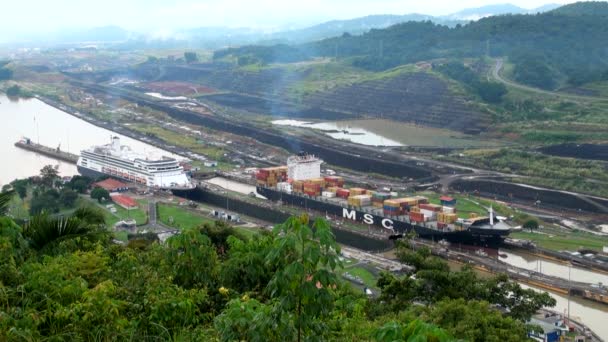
x=311 y=193
x=416 y=217
x=344 y=193
x=441 y=225
x=393 y=212
x=431 y=207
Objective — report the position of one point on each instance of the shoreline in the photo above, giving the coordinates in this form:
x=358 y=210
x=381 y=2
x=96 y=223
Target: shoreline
x=118 y=129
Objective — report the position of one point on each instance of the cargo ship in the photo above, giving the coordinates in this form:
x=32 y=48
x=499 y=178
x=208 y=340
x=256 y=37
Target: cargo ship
x=300 y=184
x=119 y=161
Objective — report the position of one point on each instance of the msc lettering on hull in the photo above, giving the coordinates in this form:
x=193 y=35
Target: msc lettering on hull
x=367 y=218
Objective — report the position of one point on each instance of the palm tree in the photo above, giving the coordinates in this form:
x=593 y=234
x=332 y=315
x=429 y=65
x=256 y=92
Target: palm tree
x=5 y=200
x=44 y=230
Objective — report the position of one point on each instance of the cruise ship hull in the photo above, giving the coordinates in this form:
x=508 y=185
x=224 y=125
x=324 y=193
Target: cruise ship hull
x=96 y=174
x=471 y=235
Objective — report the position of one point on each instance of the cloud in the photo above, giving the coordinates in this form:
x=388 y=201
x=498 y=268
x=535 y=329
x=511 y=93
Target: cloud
x=153 y=15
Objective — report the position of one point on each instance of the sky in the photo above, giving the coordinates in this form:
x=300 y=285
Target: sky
x=43 y=16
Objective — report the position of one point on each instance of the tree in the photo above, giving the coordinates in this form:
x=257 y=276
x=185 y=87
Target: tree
x=68 y=197
x=48 y=175
x=244 y=269
x=43 y=230
x=100 y=194
x=80 y=183
x=531 y=224
x=20 y=186
x=190 y=57
x=45 y=201
x=491 y=92
x=13 y=91
x=302 y=289
x=5 y=200
x=193 y=250
x=416 y=330
x=475 y=321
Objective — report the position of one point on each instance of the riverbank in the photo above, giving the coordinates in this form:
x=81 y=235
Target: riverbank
x=158 y=143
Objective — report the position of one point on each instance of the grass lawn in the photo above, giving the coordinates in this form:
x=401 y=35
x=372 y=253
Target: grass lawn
x=121 y=236
x=562 y=240
x=138 y=215
x=369 y=279
x=177 y=217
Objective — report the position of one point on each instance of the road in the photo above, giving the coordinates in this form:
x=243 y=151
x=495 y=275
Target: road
x=497 y=76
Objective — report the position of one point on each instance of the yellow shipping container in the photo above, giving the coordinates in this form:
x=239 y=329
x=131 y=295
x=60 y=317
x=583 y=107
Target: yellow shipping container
x=357 y=191
x=414 y=209
x=411 y=201
x=450 y=218
x=392 y=203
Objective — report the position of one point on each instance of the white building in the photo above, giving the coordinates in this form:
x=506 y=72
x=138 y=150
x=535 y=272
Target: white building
x=303 y=167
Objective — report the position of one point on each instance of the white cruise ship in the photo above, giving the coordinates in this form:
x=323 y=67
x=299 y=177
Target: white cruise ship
x=119 y=161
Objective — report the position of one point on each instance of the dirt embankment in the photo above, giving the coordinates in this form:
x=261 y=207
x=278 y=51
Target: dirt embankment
x=348 y=159
x=528 y=194
x=419 y=97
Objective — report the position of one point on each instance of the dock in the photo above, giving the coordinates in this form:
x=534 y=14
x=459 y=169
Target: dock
x=55 y=153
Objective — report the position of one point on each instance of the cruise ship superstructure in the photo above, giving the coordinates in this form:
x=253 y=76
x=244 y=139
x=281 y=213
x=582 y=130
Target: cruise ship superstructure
x=120 y=161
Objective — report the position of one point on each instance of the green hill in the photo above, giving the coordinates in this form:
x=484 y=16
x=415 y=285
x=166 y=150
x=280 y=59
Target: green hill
x=596 y=8
x=549 y=49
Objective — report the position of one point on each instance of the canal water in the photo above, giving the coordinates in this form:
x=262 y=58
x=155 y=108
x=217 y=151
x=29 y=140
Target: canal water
x=552 y=268
x=380 y=132
x=592 y=314
x=49 y=126
x=343 y=131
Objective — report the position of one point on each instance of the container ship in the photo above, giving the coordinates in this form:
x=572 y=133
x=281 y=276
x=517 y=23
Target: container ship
x=300 y=184
x=119 y=161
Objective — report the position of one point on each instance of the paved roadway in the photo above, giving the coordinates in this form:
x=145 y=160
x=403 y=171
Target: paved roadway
x=497 y=76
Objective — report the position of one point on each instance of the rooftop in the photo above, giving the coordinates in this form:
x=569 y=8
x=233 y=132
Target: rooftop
x=111 y=184
x=124 y=201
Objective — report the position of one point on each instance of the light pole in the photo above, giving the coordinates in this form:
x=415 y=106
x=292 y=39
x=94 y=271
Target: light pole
x=569 y=290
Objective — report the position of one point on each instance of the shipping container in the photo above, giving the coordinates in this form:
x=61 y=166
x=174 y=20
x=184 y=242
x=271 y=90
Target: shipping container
x=448 y=210
x=431 y=207
x=416 y=217
x=429 y=214
x=381 y=196
x=334 y=181
x=414 y=209
x=357 y=191
x=328 y=194
x=343 y=193
x=391 y=211
x=394 y=194
x=421 y=199
x=312 y=193
x=360 y=200
x=442 y=225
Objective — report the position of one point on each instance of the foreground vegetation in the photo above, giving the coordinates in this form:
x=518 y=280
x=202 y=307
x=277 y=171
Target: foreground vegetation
x=61 y=278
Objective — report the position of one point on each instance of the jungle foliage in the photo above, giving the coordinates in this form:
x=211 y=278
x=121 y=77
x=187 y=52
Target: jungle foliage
x=63 y=279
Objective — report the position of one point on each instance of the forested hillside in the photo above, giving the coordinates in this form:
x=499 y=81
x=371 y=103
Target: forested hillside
x=63 y=279
x=565 y=46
